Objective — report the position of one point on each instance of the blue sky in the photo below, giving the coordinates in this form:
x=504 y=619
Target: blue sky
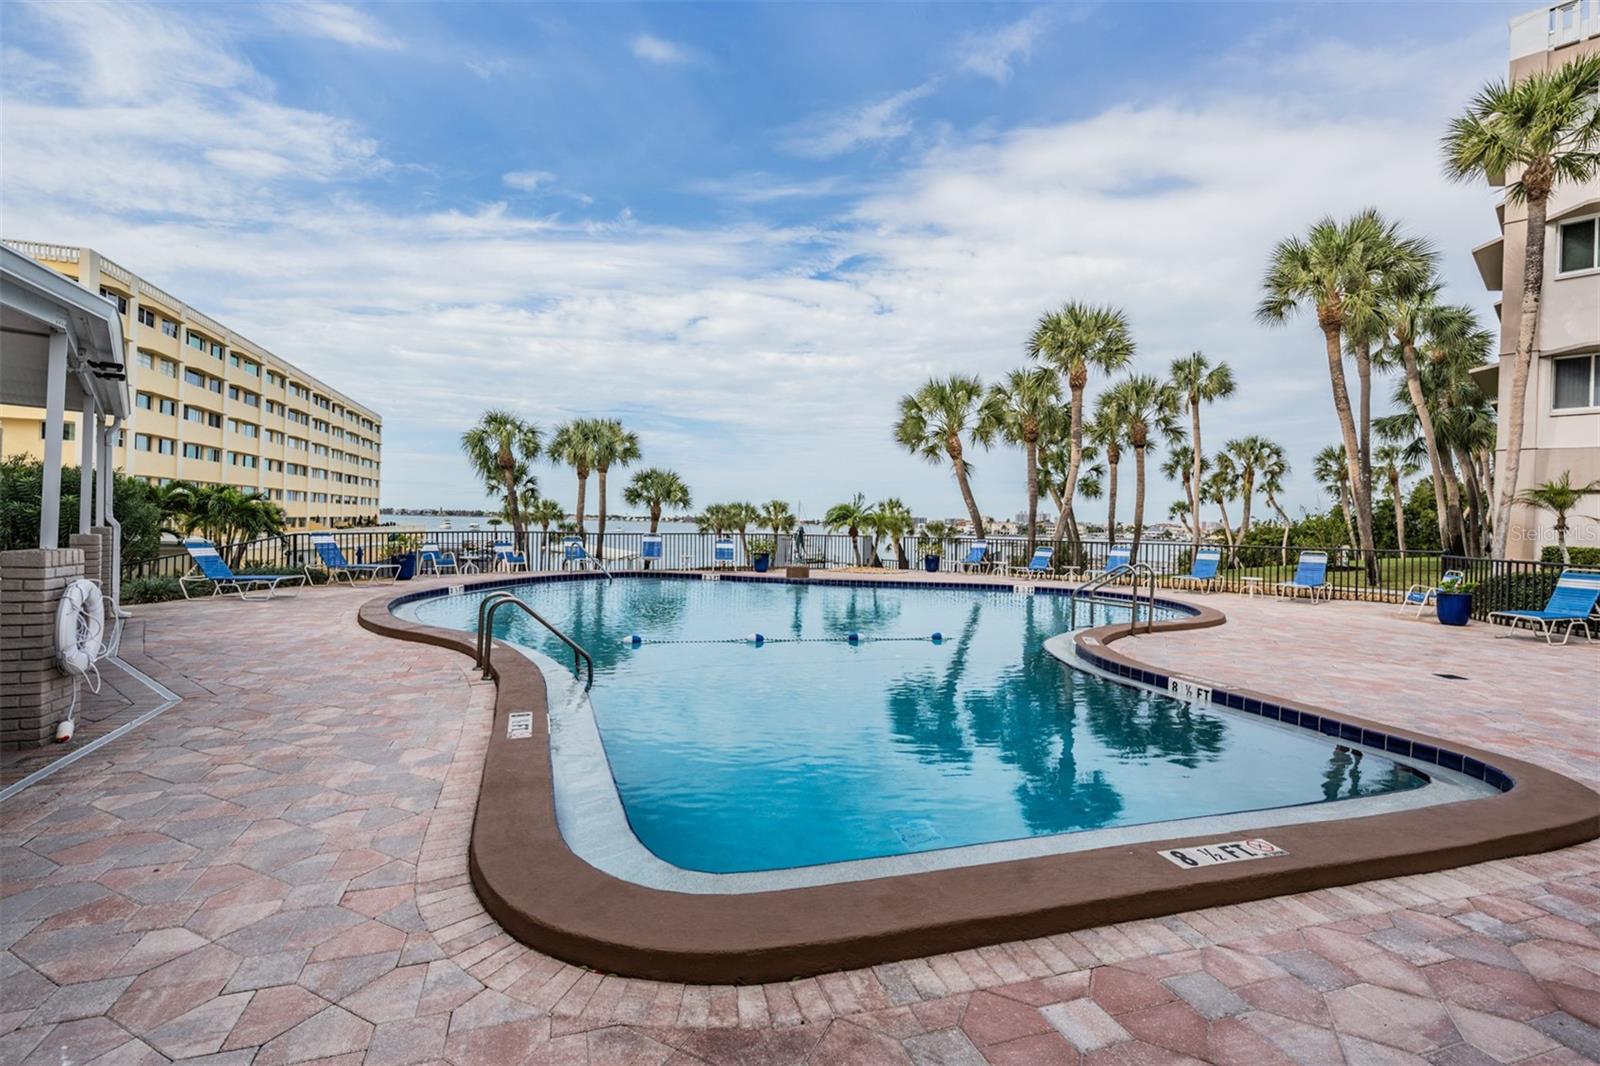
x=743 y=229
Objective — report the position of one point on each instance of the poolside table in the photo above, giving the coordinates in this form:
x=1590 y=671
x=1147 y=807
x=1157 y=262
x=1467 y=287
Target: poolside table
x=1253 y=586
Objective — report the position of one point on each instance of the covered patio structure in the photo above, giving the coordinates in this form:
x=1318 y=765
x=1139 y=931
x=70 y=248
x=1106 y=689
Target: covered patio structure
x=61 y=348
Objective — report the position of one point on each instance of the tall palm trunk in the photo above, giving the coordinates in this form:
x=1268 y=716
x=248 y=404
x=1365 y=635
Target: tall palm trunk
x=655 y=523
x=1113 y=459
x=508 y=477
x=1193 y=477
x=1248 y=490
x=1075 y=382
x=1345 y=507
x=1399 y=513
x=1455 y=519
x=1227 y=526
x=1283 y=549
x=1352 y=447
x=583 y=492
x=1364 y=424
x=855 y=543
x=1138 y=500
x=1419 y=403
x=1511 y=412
x=1477 y=502
x=600 y=532
x=1032 y=449
x=952 y=448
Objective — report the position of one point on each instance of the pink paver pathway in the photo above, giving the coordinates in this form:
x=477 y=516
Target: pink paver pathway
x=274 y=872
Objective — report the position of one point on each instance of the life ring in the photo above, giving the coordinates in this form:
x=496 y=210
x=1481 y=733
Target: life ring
x=80 y=626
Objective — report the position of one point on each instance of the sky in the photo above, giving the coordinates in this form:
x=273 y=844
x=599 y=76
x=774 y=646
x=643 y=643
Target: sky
x=744 y=230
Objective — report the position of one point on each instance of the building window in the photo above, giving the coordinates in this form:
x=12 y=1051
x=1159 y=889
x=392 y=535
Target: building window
x=216 y=349
x=169 y=327
x=195 y=341
x=69 y=430
x=147 y=317
x=1580 y=248
x=115 y=297
x=144 y=401
x=146 y=360
x=200 y=451
x=167 y=407
x=169 y=368
x=1577 y=384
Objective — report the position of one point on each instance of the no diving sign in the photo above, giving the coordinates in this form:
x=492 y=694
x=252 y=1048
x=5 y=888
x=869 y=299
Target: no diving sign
x=1198 y=855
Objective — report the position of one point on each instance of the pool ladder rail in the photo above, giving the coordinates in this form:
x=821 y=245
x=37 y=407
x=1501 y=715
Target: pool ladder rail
x=1135 y=571
x=582 y=661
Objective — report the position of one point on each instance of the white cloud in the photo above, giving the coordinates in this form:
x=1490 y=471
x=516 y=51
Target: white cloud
x=526 y=180
x=993 y=53
x=758 y=360
x=654 y=49
x=877 y=122
x=337 y=22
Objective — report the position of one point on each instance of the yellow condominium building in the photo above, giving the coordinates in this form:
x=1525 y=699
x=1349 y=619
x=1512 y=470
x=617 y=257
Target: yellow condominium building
x=212 y=408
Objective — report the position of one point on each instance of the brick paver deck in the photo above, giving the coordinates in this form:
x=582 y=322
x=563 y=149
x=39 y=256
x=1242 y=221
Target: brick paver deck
x=274 y=872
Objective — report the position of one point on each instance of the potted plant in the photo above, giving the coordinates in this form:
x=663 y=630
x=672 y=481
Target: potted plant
x=403 y=553
x=1453 y=601
x=935 y=536
x=761 y=553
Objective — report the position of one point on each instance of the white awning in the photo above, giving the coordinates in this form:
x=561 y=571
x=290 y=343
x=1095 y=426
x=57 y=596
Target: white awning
x=35 y=302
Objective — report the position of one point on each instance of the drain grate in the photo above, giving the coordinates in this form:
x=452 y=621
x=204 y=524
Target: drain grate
x=1451 y=677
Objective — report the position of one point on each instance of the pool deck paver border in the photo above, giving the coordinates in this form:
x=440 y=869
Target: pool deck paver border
x=274 y=871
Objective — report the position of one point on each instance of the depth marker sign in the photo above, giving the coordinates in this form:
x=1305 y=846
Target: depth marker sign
x=519 y=726
x=1199 y=855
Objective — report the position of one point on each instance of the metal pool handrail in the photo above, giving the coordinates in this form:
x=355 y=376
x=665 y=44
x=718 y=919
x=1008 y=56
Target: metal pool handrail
x=1136 y=570
x=493 y=602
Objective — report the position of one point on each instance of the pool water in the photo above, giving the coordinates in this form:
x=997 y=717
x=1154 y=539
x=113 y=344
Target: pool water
x=730 y=756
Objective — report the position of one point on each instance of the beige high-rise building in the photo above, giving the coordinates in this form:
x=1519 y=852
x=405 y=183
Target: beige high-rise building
x=211 y=407
x=1561 y=427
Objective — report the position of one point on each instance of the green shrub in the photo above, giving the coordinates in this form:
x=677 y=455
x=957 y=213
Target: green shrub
x=1580 y=556
x=1522 y=591
x=157 y=590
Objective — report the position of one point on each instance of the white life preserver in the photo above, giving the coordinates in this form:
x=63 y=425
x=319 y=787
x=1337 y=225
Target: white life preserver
x=80 y=627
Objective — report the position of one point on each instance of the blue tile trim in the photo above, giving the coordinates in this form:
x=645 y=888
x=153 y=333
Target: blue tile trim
x=1322 y=725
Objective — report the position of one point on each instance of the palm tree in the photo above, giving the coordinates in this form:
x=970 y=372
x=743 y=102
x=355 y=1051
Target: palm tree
x=1197 y=382
x=499 y=449
x=1251 y=454
x=1055 y=462
x=1332 y=471
x=1024 y=409
x=1271 y=475
x=1107 y=431
x=575 y=444
x=175 y=500
x=1341 y=271
x=545 y=512
x=1220 y=486
x=893 y=519
x=1076 y=339
x=932 y=422
x=740 y=515
x=775 y=515
x=714 y=519
x=850 y=517
x=1179 y=466
x=657 y=489
x=613 y=446
x=231 y=518
x=1395 y=464
x=1410 y=313
x=1143 y=403
x=1558 y=497
x=1538 y=132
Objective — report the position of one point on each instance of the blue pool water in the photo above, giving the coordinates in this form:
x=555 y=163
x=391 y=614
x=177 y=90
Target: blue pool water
x=732 y=757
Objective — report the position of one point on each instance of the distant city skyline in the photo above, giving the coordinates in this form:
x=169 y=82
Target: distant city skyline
x=743 y=230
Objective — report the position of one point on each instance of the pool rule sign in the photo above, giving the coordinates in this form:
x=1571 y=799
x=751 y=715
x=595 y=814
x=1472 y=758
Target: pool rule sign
x=1199 y=855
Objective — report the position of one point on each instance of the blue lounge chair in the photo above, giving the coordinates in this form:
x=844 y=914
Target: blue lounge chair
x=575 y=556
x=435 y=561
x=222 y=578
x=652 y=548
x=1202 y=571
x=1419 y=597
x=977 y=557
x=722 y=552
x=1038 y=566
x=1118 y=556
x=1310 y=577
x=507 y=558
x=337 y=566
x=1572 y=604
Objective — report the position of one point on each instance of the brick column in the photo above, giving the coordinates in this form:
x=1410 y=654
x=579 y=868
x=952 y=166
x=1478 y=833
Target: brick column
x=34 y=693
x=89 y=544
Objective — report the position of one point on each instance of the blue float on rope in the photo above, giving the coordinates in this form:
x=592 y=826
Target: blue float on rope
x=757 y=639
x=636 y=640
x=854 y=638
x=937 y=637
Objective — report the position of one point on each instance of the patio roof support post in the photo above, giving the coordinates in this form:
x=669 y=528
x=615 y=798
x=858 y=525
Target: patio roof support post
x=88 y=453
x=108 y=479
x=55 y=415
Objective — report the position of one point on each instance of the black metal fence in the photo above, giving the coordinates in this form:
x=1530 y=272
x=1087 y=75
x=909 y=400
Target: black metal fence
x=1498 y=584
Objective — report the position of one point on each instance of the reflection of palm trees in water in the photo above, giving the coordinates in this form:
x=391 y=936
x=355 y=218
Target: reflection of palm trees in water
x=1148 y=726
x=1344 y=777
x=922 y=708
x=863 y=611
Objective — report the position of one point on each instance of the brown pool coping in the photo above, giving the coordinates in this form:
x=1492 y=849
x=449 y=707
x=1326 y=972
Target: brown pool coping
x=549 y=898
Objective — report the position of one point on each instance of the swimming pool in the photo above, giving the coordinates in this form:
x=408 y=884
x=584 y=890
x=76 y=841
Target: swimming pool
x=730 y=756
